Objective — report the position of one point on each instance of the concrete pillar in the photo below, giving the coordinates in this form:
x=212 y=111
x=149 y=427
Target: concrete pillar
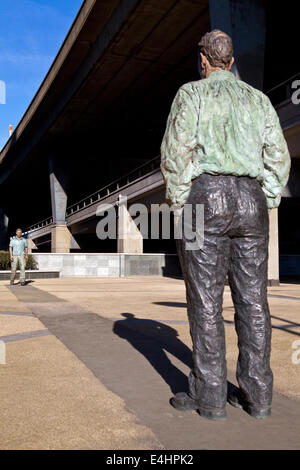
x=245 y=22
x=31 y=245
x=60 y=236
x=3 y=230
x=130 y=239
x=273 y=272
x=60 y=239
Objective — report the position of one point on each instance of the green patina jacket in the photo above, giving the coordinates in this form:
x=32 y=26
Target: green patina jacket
x=222 y=125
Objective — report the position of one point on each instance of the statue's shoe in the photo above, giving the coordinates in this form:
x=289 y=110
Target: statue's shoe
x=256 y=411
x=183 y=402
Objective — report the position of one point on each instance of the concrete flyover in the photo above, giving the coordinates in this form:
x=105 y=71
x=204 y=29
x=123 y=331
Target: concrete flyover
x=140 y=184
x=100 y=113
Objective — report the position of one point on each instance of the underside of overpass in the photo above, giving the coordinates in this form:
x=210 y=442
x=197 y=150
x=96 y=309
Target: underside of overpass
x=105 y=102
x=101 y=111
x=114 y=121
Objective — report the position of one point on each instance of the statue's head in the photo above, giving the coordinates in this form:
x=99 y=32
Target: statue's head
x=216 y=52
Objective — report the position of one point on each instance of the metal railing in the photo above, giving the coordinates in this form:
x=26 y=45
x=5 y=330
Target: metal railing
x=283 y=91
x=111 y=188
x=115 y=186
x=44 y=223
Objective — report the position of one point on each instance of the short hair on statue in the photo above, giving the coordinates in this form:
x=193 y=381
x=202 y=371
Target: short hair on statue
x=217 y=47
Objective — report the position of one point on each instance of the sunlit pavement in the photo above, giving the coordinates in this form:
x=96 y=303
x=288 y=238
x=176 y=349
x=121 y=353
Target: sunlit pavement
x=92 y=363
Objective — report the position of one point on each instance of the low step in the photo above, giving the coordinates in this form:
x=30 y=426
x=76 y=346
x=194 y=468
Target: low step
x=34 y=274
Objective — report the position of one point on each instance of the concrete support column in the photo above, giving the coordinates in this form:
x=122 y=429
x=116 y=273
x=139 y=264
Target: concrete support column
x=60 y=239
x=31 y=245
x=273 y=272
x=60 y=236
x=130 y=239
x=245 y=22
x=3 y=230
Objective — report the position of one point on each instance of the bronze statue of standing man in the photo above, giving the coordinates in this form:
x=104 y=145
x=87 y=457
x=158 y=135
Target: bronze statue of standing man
x=224 y=148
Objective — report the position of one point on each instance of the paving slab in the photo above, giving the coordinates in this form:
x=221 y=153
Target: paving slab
x=144 y=360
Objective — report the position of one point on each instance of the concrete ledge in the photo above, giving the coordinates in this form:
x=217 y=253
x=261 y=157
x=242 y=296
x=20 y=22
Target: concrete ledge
x=34 y=274
x=273 y=282
x=113 y=264
x=109 y=264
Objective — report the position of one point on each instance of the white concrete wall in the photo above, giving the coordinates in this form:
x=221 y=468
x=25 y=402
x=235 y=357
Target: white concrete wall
x=108 y=264
x=80 y=265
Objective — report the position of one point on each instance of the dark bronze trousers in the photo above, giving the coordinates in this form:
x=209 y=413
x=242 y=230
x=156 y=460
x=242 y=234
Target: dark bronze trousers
x=236 y=233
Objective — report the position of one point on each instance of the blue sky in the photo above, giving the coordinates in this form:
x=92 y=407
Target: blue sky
x=31 y=32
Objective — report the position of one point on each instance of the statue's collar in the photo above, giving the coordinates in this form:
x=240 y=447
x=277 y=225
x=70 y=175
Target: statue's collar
x=221 y=75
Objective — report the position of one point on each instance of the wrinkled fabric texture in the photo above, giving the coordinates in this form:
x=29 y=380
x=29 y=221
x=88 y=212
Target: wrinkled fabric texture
x=18 y=245
x=222 y=125
x=18 y=261
x=236 y=228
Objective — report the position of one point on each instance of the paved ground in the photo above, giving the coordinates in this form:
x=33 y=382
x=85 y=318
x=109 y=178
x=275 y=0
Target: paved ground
x=92 y=363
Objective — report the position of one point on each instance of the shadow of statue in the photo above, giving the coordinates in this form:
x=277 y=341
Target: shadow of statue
x=287 y=328
x=152 y=339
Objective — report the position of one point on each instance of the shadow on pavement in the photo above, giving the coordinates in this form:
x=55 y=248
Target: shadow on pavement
x=288 y=328
x=163 y=338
